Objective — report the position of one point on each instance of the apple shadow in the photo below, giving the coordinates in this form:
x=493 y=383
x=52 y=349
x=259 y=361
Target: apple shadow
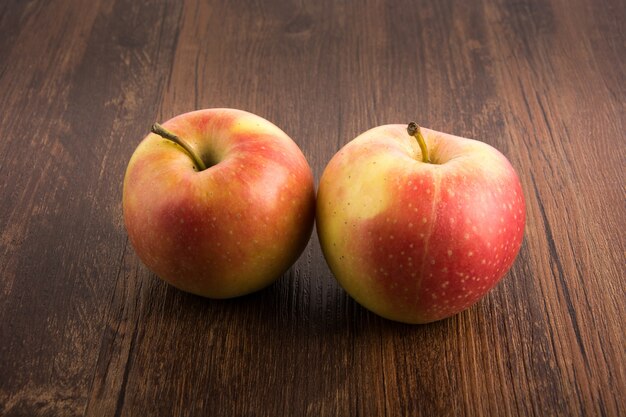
x=301 y=330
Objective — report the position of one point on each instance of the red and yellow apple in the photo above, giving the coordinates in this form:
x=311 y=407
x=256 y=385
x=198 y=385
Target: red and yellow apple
x=219 y=203
x=417 y=228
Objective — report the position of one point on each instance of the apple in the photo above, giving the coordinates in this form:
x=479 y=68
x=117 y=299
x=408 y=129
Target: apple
x=218 y=202
x=417 y=228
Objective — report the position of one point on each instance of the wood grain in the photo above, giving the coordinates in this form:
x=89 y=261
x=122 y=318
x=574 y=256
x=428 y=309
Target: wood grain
x=86 y=329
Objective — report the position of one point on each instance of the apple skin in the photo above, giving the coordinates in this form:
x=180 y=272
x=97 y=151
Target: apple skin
x=231 y=229
x=417 y=242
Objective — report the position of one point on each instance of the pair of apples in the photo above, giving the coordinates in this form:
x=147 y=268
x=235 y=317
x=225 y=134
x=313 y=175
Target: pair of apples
x=416 y=228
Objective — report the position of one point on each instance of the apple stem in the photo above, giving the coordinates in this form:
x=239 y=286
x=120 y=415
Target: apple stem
x=166 y=134
x=414 y=130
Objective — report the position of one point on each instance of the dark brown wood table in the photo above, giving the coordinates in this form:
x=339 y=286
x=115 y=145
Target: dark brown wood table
x=86 y=329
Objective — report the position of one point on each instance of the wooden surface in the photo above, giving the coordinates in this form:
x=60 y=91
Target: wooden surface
x=86 y=329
